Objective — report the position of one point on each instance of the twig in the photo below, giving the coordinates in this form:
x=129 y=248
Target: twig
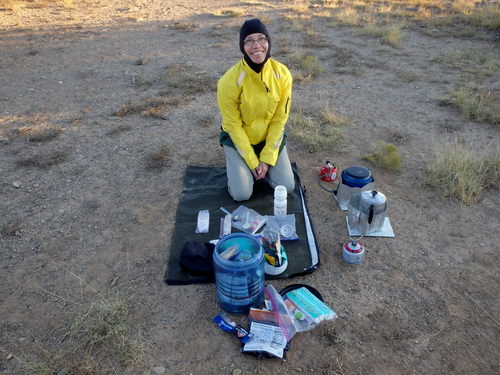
x=58 y=296
x=431 y=336
x=340 y=366
x=486 y=311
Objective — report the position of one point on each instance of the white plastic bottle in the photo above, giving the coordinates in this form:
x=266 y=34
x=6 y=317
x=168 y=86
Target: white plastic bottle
x=280 y=200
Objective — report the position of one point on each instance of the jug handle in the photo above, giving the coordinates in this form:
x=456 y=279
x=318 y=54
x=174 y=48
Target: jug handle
x=370 y=214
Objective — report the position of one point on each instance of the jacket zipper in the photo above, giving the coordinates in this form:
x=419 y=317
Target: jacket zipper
x=267 y=88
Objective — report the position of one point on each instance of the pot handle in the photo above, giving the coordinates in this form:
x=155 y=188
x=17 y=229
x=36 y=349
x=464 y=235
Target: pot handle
x=370 y=214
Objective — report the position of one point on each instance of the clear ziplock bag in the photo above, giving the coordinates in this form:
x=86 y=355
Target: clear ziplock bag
x=247 y=220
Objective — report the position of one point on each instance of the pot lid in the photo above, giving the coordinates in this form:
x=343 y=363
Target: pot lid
x=373 y=197
x=358 y=173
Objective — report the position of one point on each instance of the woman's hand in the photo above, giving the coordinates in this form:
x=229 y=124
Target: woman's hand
x=261 y=171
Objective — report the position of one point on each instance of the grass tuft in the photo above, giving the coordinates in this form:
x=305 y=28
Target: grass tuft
x=391 y=34
x=119 y=130
x=44 y=160
x=349 y=17
x=149 y=107
x=12 y=5
x=97 y=339
x=473 y=62
x=228 y=13
x=11 y=229
x=38 y=133
x=206 y=120
x=102 y=323
x=180 y=26
x=305 y=66
x=42 y=134
x=474 y=103
x=463 y=171
x=159 y=158
x=387 y=156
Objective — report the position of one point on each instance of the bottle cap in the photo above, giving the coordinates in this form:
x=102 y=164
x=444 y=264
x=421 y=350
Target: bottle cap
x=286 y=230
x=280 y=192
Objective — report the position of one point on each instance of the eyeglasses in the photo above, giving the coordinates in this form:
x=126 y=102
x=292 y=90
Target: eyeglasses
x=261 y=40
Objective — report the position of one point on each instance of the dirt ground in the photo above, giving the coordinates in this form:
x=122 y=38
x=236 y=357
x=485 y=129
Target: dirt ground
x=88 y=194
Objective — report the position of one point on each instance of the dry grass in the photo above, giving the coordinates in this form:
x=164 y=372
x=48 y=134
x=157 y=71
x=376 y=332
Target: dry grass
x=387 y=156
x=457 y=18
x=318 y=132
x=331 y=117
x=98 y=340
x=305 y=66
x=11 y=229
x=471 y=62
x=12 y=5
x=487 y=15
x=463 y=170
x=149 y=107
x=391 y=34
x=397 y=136
x=119 y=130
x=42 y=134
x=16 y=5
x=45 y=160
x=206 y=120
x=160 y=158
x=228 y=12
x=185 y=80
x=35 y=133
x=411 y=75
x=349 y=17
x=298 y=9
x=474 y=103
x=182 y=26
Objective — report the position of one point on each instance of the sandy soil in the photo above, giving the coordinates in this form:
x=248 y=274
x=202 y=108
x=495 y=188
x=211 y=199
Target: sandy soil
x=86 y=207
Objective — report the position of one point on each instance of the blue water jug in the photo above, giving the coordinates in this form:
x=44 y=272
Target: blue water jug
x=353 y=180
x=239 y=272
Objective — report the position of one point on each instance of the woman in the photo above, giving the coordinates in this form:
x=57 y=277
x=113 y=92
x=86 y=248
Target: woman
x=254 y=100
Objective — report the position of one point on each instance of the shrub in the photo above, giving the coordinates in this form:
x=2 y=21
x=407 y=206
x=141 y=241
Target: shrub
x=474 y=103
x=387 y=156
x=463 y=171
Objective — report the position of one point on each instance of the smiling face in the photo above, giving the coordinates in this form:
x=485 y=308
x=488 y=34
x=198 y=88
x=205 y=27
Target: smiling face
x=257 y=51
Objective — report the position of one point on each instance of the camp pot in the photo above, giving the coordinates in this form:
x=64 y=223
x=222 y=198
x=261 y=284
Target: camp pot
x=367 y=211
x=373 y=209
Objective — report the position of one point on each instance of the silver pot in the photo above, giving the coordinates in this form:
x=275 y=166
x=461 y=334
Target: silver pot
x=367 y=212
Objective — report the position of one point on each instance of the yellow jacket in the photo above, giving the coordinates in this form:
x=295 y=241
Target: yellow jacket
x=254 y=108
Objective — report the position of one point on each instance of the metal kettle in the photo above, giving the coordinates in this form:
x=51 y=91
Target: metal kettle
x=367 y=212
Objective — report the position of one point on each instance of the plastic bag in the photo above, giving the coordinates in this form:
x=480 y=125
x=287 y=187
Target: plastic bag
x=247 y=220
x=307 y=310
x=281 y=312
x=268 y=338
x=284 y=225
x=203 y=221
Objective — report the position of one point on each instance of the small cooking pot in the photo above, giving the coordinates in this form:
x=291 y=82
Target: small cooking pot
x=367 y=211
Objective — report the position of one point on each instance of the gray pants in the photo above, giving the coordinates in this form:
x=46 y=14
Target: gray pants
x=240 y=178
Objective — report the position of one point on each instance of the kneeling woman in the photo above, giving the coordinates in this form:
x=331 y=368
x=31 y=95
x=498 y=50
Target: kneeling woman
x=254 y=98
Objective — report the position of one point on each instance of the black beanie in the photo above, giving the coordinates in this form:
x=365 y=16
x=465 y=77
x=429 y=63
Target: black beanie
x=251 y=27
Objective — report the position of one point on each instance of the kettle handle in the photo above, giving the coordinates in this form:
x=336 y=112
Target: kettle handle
x=370 y=214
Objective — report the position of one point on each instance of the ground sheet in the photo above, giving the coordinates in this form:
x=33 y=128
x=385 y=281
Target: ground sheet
x=205 y=188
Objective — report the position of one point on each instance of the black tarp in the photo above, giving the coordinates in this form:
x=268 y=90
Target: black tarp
x=205 y=188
